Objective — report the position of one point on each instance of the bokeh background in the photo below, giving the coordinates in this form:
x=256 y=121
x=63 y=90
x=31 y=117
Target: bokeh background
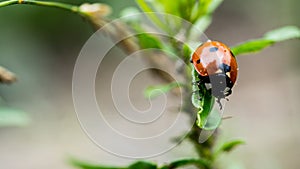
x=41 y=46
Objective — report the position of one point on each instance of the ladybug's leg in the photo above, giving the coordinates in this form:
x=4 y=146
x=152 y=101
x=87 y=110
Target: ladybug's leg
x=220 y=104
x=228 y=92
x=203 y=79
x=229 y=82
x=198 y=81
x=229 y=85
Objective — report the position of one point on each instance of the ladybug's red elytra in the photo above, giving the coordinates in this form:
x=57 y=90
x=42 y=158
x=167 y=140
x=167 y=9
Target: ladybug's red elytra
x=217 y=67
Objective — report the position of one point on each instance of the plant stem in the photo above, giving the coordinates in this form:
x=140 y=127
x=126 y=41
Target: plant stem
x=68 y=7
x=205 y=156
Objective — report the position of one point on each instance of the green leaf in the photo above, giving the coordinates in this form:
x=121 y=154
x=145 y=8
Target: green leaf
x=185 y=162
x=196 y=100
x=147 y=41
x=204 y=105
x=196 y=95
x=282 y=34
x=203 y=19
x=203 y=23
x=251 y=46
x=199 y=27
x=271 y=37
x=136 y=165
x=144 y=6
x=207 y=103
x=167 y=6
x=200 y=9
x=205 y=8
x=142 y=165
x=12 y=117
x=186 y=53
x=214 y=5
x=155 y=91
x=84 y=165
x=180 y=8
x=151 y=14
x=213 y=120
x=228 y=146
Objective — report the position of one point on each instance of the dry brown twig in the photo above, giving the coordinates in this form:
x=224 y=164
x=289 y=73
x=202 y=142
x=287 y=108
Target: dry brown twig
x=6 y=76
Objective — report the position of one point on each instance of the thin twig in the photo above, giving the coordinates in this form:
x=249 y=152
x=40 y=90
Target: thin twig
x=64 y=6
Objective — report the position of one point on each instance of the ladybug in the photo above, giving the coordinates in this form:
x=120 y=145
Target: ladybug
x=217 y=68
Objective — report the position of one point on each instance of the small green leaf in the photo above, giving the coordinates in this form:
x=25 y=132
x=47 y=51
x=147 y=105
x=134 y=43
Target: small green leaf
x=204 y=105
x=144 y=6
x=196 y=100
x=201 y=9
x=147 y=41
x=12 y=117
x=202 y=16
x=207 y=103
x=186 y=53
x=167 y=6
x=199 y=27
x=136 y=165
x=204 y=8
x=84 y=165
x=203 y=23
x=185 y=162
x=155 y=91
x=142 y=165
x=251 y=46
x=282 y=34
x=213 y=120
x=271 y=37
x=214 y=5
x=151 y=14
x=196 y=95
x=228 y=146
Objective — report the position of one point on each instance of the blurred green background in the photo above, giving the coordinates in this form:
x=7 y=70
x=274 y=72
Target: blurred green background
x=41 y=46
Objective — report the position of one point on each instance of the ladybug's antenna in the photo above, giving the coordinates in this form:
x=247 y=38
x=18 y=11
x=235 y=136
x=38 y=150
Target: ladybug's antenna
x=220 y=104
x=227 y=117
